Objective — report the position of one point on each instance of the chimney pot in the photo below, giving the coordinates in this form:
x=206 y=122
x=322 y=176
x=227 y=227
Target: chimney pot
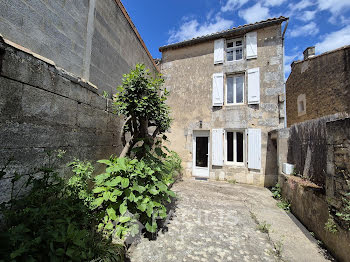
x=309 y=52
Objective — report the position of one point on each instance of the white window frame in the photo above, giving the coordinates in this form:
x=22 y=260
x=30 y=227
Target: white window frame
x=234 y=162
x=227 y=49
x=234 y=89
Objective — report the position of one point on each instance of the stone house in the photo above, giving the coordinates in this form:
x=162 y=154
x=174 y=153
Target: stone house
x=227 y=93
x=319 y=85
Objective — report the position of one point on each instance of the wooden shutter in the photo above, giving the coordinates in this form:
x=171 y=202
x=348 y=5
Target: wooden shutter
x=218 y=89
x=219 y=51
x=254 y=148
x=254 y=86
x=251 y=45
x=217 y=147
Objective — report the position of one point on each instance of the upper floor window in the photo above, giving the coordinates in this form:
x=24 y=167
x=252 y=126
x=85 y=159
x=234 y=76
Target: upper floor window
x=235 y=89
x=234 y=49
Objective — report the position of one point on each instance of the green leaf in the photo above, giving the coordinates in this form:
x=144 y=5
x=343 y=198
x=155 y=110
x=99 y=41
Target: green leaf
x=142 y=207
x=97 y=202
x=151 y=228
x=98 y=190
x=111 y=213
x=149 y=210
x=106 y=195
x=122 y=208
x=153 y=190
x=138 y=188
x=109 y=226
x=105 y=161
x=125 y=182
x=100 y=178
x=131 y=197
x=171 y=193
x=124 y=219
x=161 y=186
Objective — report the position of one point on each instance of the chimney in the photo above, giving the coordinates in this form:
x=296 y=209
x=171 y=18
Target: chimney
x=309 y=52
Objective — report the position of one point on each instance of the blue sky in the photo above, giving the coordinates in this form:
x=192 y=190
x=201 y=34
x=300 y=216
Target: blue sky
x=323 y=23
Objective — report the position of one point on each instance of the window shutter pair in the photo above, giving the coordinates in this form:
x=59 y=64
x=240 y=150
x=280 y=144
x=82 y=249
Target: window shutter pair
x=254 y=148
x=251 y=40
x=253 y=85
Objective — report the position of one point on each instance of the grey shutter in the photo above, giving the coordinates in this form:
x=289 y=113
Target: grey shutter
x=254 y=86
x=217 y=147
x=254 y=148
x=219 y=51
x=218 y=89
x=251 y=45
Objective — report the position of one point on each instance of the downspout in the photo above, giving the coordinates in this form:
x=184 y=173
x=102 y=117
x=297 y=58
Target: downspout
x=284 y=81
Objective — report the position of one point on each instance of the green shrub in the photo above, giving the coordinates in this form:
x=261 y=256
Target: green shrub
x=133 y=186
x=276 y=191
x=47 y=224
x=331 y=226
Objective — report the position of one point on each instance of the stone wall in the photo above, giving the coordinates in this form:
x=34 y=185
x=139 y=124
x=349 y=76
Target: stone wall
x=328 y=142
x=188 y=76
x=95 y=40
x=325 y=82
x=43 y=108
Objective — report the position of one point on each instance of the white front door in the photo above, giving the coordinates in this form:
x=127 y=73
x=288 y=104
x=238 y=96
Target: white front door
x=201 y=153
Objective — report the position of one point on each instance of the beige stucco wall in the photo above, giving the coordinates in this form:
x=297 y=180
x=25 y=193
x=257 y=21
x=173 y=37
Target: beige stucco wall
x=188 y=76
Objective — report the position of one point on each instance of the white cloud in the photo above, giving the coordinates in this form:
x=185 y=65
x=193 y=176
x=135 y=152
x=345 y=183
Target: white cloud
x=308 y=29
x=307 y=16
x=299 y=6
x=192 y=28
x=334 y=6
x=231 y=5
x=334 y=40
x=273 y=2
x=254 y=13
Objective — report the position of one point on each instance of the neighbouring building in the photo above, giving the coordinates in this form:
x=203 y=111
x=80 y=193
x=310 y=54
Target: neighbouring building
x=319 y=85
x=227 y=93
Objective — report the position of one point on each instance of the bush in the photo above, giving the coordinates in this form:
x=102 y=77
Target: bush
x=50 y=224
x=133 y=186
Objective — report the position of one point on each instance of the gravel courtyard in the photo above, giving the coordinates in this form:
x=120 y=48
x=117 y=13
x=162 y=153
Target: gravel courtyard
x=218 y=221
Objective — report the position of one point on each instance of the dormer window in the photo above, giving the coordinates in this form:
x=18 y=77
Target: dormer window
x=234 y=49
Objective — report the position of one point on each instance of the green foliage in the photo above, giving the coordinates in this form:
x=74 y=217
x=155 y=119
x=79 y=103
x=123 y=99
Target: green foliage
x=130 y=190
x=284 y=204
x=78 y=184
x=232 y=181
x=344 y=214
x=142 y=96
x=276 y=191
x=331 y=226
x=47 y=224
x=105 y=94
x=263 y=227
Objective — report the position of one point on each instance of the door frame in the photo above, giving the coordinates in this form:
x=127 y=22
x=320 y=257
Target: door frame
x=200 y=133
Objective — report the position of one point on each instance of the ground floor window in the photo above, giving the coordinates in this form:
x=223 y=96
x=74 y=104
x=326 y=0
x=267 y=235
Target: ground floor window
x=234 y=147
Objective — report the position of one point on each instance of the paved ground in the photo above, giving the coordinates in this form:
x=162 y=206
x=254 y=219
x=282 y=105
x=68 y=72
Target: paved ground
x=217 y=221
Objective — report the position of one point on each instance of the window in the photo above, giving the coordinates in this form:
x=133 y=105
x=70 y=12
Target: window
x=234 y=147
x=301 y=104
x=234 y=49
x=235 y=89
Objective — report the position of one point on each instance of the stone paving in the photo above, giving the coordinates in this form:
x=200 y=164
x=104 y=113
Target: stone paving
x=213 y=221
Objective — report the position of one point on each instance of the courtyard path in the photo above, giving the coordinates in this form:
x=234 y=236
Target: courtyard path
x=218 y=221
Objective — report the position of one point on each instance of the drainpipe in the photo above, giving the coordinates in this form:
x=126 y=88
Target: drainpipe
x=284 y=81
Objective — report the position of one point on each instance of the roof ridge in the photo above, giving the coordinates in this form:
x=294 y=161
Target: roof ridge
x=187 y=41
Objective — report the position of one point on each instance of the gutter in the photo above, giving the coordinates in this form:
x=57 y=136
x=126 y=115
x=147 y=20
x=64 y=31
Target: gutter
x=284 y=81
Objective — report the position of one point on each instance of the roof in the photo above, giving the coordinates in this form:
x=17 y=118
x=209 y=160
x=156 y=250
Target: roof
x=320 y=55
x=227 y=33
x=125 y=13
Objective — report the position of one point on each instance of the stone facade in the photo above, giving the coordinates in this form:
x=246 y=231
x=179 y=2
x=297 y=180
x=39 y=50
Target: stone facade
x=95 y=40
x=188 y=72
x=322 y=82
